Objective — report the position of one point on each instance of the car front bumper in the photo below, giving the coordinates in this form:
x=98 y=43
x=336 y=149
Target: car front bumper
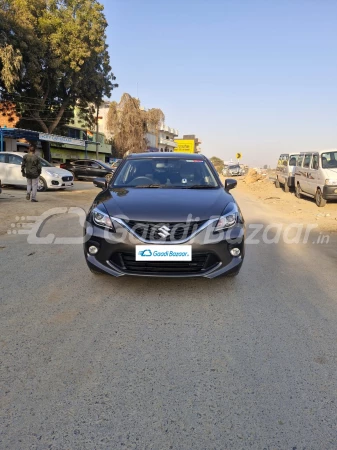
x=58 y=183
x=330 y=192
x=210 y=259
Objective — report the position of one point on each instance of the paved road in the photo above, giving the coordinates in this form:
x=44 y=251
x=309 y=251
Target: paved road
x=100 y=363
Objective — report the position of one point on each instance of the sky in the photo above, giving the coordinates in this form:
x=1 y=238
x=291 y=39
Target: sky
x=252 y=76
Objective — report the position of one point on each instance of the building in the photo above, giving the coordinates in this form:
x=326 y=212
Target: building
x=188 y=144
x=77 y=142
x=166 y=136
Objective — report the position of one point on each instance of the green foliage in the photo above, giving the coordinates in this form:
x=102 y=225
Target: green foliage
x=53 y=57
x=218 y=164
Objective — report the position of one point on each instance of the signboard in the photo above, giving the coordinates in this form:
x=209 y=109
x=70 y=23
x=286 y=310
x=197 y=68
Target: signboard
x=238 y=156
x=184 y=145
x=61 y=139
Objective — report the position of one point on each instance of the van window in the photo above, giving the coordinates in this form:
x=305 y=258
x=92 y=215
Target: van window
x=300 y=160
x=307 y=159
x=314 y=162
x=293 y=160
x=2 y=158
x=329 y=160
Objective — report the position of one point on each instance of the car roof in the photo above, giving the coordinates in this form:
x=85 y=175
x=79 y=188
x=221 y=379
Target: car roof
x=151 y=155
x=15 y=153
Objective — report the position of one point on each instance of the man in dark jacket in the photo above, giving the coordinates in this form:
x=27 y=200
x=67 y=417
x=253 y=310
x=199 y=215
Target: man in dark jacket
x=31 y=169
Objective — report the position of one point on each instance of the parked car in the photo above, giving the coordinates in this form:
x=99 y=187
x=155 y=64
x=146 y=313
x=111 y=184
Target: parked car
x=285 y=171
x=51 y=177
x=115 y=164
x=165 y=214
x=234 y=170
x=87 y=168
x=316 y=176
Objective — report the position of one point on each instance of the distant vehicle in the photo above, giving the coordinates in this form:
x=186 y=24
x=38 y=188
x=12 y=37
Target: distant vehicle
x=234 y=170
x=285 y=171
x=87 y=168
x=51 y=177
x=316 y=176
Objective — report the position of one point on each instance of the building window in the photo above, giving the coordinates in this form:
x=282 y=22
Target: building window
x=74 y=133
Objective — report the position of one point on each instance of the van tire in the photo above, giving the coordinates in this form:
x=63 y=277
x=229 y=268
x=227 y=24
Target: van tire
x=286 y=187
x=277 y=183
x=298 y=191
x=320 y=201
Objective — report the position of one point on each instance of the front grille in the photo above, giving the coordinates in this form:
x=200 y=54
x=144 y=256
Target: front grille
x=164 y=232
x=67 y=178
x=200 y=262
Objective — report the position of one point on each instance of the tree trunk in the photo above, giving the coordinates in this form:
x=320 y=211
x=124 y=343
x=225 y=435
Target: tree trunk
x=46 y=150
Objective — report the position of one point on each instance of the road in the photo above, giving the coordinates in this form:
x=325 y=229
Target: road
x=92 y=362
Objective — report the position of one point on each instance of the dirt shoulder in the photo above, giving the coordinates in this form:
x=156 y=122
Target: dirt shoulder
x=287 y=204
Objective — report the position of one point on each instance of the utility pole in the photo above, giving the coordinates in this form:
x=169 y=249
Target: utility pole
x=97 y=143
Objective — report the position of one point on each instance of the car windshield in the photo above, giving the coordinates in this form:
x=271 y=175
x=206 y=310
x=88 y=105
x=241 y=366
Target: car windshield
x=106 y=166
x=45 y=163
x=234 y=167
x=329 y=160
x=166 y=173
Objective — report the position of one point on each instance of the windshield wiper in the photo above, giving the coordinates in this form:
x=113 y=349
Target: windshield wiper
x=199 y=186
x=148 y=186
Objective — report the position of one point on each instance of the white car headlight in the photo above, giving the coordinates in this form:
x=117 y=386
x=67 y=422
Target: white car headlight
x=53 y=174
x=331 y=182
x=229 y=217
x=102 y=219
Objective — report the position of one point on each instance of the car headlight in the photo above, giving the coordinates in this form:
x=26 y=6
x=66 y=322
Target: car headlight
x=53 y=174
x=228 y=218
x=102 y=219
x=331 y=182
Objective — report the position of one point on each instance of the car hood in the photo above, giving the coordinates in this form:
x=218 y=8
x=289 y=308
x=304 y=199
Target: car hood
x=164 y=205
x=58 y=170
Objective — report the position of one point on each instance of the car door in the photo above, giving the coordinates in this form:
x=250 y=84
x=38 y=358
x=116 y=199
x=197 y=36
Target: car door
x=80 y=168
x=95 y=170
x=305 y=170
x=312 y=178
x=13 y=170
x=3 y=164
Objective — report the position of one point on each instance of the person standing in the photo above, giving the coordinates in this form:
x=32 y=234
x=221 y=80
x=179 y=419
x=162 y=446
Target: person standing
x=31 y=169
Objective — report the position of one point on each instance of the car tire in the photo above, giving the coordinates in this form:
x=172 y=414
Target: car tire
x=277 y=183
x=286 y=187
x=298 y=191
x=320 y=201
x=42 y=185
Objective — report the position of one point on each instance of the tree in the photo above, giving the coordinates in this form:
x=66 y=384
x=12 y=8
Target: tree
x=218 y=164
x=128 y=124
x=53 y=57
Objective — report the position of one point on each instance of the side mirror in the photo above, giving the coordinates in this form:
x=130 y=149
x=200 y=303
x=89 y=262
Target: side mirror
x=230 y=184
x=100 y=183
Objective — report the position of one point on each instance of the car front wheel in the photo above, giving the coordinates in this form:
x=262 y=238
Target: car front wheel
x=42 y=185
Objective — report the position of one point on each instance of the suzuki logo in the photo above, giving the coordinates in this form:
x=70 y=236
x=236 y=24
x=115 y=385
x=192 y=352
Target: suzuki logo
x=164 y=231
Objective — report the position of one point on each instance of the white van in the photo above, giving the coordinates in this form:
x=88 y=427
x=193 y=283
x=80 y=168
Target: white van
x=285 y=171
x=316 y=176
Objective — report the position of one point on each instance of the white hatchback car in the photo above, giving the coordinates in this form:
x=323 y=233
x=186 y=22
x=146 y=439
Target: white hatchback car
x=51 y=177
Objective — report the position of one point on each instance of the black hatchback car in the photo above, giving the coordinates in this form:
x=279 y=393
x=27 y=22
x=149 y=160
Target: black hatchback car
x=165 y=215
x=87 y=168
